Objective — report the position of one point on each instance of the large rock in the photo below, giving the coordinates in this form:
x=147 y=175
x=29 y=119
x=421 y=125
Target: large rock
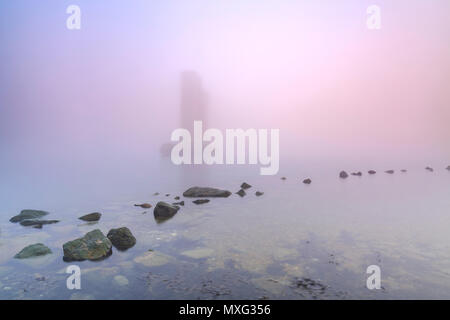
x=33 y=250
x=200 y=192
x=164 y=211
x=93 y=246
x=95 y=216
x=28 y=214
x=121 y=238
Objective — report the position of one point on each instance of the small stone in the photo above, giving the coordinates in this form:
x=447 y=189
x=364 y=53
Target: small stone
x=358 y=174
x=307 y=181
x=390 y=171
x=144 y=205
x=245 y=186
x=121 y=238
x=33 y=250
x=95 y=216
x=343 y=175
x=200 y=201
x=448 y=168
x=372 y=172
x=177 y=198
x=181 y=203
x=429 y=169
x=404 y=170
x=241 y=193
x=156 y=194
x=167 y=194
x=259 y=193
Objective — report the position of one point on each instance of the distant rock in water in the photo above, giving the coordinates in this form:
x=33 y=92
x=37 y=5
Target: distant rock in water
x=28 y=214
x=95 y=216
x=37 y=223
x=167 y=194
x=181 y=203
x=156 y=194
x=34 y=250
x=283 y=178
x=93 y=246
x=201 y=201
x=429 y=169
x=358 y=174
x=144 y=205
x=121 y=238
x=371 y=172
x=164 y=211
x=343 y=175
x=390 y=171
x=259 y=193
x=245 y=186
x=204 y=192
x=448 y=168
x=404 y=170
x=307 y=181
x=241 y=193
x=177 y=198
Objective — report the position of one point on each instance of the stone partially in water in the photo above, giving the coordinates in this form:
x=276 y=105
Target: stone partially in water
x=144 y=205
x=37 y=223
x=28 y=214
x=204 y=192
x=93 y=246
x=181 y=203
x=153 y=259
x=199 y=253
x=259 y=193
x=429 y=169
x=307 y=181
x=404 y=170
x=34 y=250
x=343 y=175
x=201 y=201
x=358 y=174
x=372 y=172
x=177 y=198
x=95 y=216
x=241 y=193
x=164 y=211
x=245 y=186
x=121 y=238
x=390 y=171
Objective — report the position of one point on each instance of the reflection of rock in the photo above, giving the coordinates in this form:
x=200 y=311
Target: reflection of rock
x=121 y=238
x=153 y=259
x=372 y=172
x=202 y=192
x=37 y=223
x=343 y=175
x=241 y=193
x=144 y=205
x=259 y=193
x=245 y=186
x=28 y=214
x=33 y=250
x=93 y=246
x=199 y=253
x=164 y=211
x=200 y=201
x=95 y=216
x=307 y=181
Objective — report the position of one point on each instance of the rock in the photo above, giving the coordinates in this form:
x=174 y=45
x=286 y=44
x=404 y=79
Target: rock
x=156 y=194
x=37 y=223
x=121 y=280
x=144 y=205
x=307 y=181
x=241 y=193
x=358 y=174
x=343 y=175
x=164 y=211
x=91 y=217
x=93 y=246
x=167 y=194
x=245 y=186
x=448 y=168
x=181 y=203
x=390 y=171
x=121 y=238
x=204 y=192
x=259 y=193
x=283 y=178
x=33 y=250
x=200 y=201
x=429 y=169
x=177 y=198
x=28 y=214
x=371 y=172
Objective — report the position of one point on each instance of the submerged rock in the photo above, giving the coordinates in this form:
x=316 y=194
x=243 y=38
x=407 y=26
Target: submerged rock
x=93 y=246
x=181 y=203
x=165 y=211
x=201 y=192
x=200 y=201
x=343 y=175
x=371 y=172
x=121 y=238
x=429 y=169
x=390 y=171
x=37 y=223
x=358 y=174
x=153 y=259
x=28 y=214
x=95 y=216
x=259 y=193
x=121 y=280
x=199 y=253
x=156 y=194
x=241 y=193
x=307 y=181
x=144 y=205
x=33 y=250
x=245 y=186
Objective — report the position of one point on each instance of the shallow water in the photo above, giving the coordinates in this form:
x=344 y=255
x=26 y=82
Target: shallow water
x=295 y=242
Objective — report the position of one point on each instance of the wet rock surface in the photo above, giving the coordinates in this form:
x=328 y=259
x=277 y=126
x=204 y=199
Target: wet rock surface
x=91 y=217
x=202 y=192
x=34 y=250
x=93 y=246
x=28 y=215
x=181 y=203
x=358 y=174
x=121 y=238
